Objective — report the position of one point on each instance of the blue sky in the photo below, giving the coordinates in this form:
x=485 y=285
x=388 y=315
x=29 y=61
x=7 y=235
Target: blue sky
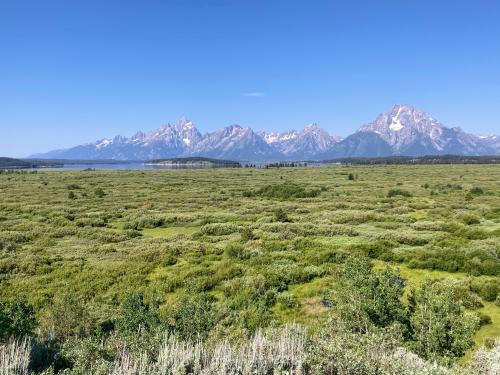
x=75 y=71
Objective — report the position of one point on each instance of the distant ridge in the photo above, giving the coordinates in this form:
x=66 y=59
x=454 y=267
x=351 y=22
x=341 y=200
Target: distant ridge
x=403 y=130
x=11 y=163
x=426 y=159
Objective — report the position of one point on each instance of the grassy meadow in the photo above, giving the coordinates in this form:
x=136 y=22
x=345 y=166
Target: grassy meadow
x=224 y=253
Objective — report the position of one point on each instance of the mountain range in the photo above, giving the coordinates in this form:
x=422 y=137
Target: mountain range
x=402 y=131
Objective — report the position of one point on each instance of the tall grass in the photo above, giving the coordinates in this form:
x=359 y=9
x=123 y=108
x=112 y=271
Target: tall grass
x=15 y=357
x=265 y=353
x=275 y=351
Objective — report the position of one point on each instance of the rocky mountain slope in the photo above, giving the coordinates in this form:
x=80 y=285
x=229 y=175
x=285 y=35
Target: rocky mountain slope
x=402 y=131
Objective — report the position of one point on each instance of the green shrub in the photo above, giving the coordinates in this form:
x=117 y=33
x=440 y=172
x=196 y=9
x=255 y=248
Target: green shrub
x=219 y=229
x=488 y=290
x=470 y=219
x=365 y=298
x=193 y=316
x=169 y=260
x=247 y=234
x=66 y=317
x=284 y=191
x=442 y=329
x=484 y=319
x=22 y=317
x=17 y=319
x=136 y=315
x=378 y=249
x=237 y=250
x=99 y=193
x=398 y=192
x=476 y=191
x=281 y=216
x=5 y=323
x=287 y=299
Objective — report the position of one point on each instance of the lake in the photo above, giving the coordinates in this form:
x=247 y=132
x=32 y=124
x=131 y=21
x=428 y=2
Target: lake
x=125 y=166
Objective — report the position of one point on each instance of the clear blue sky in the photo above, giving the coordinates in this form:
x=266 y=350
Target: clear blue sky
x=75 y=71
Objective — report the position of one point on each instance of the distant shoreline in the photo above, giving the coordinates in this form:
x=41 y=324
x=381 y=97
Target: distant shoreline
x=201 y=162
x=194 y=162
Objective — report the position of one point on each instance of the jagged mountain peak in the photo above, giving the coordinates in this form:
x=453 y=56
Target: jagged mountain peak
x=119 y=139
x=234 y=127
x=404 y=108
x=184 y=123
x=303 y=144
x=404 y=125
x=229 y=131
x=401 y=117
x=410 y=131
x=403 y=130
x=312 y=126
x=139 y=135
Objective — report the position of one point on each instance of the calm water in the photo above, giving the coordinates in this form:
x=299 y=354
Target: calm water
x=124 y=166
x=140 y=166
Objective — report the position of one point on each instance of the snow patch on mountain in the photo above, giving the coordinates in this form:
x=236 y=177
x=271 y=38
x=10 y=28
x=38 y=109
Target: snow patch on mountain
x=412 y=132
x=402 y=131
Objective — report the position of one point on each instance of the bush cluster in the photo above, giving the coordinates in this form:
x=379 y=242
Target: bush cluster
x=284 y=191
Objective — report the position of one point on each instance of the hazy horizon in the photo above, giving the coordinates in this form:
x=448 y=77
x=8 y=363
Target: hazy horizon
x=77 y=72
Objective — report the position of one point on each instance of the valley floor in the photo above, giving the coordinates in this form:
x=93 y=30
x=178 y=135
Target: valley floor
x=258 y=247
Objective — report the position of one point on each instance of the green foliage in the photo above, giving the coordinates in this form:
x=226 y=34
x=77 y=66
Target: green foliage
x=475 y=191
x=247 y=234
x=281 y=216
x=219 y=229
x=99 y=193
x=193 y=316
x=483 y=318
x=398 y=192
x=287 y=299
x=366 y=297
x=66 y=317
x=441 y=328
x=187 y=235
x=470 y=219
x=237 y=250
x=489 y=290
x=17 y=318
x=287 y=190
x=338 y=350
x=22 y=317
x=136 y=316
x=71 y=195
x=5 y=323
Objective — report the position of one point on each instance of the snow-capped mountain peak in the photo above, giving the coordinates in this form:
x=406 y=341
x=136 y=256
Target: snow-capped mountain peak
x=300 y=144
x=410 y=131
x=405 y=125
x=184 y=124
x=312 y=127
x=275 y=137
x=402 y=130
x=103 y=143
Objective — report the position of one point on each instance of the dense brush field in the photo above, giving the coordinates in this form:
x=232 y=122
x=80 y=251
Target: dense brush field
x=324 y=270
